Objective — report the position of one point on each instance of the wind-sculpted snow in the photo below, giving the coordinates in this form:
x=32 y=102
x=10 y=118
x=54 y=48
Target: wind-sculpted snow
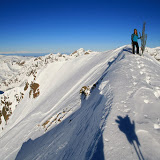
x=89 y=106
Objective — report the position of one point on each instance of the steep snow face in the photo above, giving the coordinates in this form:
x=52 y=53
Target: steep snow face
x=94 y=106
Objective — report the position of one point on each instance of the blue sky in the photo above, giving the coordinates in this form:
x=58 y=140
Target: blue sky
x=65 y=25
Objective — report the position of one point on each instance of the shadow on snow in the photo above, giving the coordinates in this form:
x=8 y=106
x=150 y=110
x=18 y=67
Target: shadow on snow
x=128 y=129
x=84 y=139
x=1 y=92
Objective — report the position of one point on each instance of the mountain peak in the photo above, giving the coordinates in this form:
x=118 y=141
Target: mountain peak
x=80 y=52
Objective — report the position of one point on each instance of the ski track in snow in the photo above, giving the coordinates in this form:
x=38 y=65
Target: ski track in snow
x=127 y=88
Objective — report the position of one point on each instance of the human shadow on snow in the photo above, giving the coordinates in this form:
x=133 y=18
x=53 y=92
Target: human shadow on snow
x=128 y=129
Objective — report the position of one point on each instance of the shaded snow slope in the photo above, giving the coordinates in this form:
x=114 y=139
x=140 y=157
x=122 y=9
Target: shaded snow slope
x=116 y=116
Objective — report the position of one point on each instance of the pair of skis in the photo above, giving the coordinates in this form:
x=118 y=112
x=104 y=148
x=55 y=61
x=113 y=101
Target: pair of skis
x=143 y=38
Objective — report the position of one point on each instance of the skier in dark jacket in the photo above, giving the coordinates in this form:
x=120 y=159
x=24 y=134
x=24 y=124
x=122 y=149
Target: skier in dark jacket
x=134 y=38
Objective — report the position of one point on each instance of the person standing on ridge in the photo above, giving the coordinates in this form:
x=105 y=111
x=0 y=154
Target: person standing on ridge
x=134 y=38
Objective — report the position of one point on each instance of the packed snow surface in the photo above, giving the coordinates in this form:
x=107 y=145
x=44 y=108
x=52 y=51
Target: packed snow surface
x=84 y=106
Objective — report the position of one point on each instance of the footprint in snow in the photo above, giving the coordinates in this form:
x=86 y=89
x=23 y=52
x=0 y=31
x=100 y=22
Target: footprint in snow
x=134 y=83
x=157 y=93
x=146 y=101
x=141 y=72
x=127 y=110
x=145 y=116
x=148 y=79
x=106 y=140
x=123 y=102
x=157 y=126
x=130 y=92
x=144 y=70
x=142 y=65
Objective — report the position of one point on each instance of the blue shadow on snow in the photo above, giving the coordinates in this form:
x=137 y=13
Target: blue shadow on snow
x=128 y=129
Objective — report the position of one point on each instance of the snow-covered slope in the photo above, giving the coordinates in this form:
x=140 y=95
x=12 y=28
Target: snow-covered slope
x=155 y=52
x=87 y=105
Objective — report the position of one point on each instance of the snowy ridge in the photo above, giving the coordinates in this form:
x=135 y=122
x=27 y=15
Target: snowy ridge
x=94 y=106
